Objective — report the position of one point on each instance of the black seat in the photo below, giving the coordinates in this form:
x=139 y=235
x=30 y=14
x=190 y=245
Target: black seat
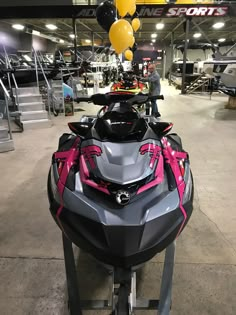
x=121 y=126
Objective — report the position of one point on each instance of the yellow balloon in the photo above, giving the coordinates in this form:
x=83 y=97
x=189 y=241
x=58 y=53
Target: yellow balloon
x=132 y=42
x=129 y=55
x=132 y=10
x=124 y=6
x=135 y=24
x=120 y=35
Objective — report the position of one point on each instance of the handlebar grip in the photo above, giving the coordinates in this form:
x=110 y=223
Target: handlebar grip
x=82 y=99
x=156 y=97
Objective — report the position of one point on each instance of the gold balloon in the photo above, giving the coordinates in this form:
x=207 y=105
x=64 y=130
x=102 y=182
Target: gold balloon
x=129 y=55
x=120 y=35
x=124 y=6
x=132 y=42
x=132 y=10
x=135 y=24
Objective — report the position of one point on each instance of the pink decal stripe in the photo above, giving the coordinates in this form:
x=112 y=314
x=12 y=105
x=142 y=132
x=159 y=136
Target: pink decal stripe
x=84 y=176
x=172 y=157
x=67 y=158
x=159 y=173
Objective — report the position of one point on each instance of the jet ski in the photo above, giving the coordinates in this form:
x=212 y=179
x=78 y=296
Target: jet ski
x=120 y=185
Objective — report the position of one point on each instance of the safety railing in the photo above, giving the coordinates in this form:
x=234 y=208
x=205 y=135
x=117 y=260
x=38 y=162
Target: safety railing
x=49 y=88
x=10 y=75
x=7 y=98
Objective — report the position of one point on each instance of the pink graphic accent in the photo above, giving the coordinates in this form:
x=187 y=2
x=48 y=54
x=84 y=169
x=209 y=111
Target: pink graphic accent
x=173 y=157
x=159 y=173
x=168 y=128
x=153 y=149
x=69 y=158
x=84 y=176
x=89 y=152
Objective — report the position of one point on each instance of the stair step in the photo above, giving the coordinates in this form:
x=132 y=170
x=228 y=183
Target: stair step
x=3 y=133
x=26 y=90
x=37 y=124
x=36 y=98
x=6 y=145
x=34 y=115
x=34 y=106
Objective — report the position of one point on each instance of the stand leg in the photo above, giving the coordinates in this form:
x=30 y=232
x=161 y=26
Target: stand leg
x=166 y=283
x=71 y=277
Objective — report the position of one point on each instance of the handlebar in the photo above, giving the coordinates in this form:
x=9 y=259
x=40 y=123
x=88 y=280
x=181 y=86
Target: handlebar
x=112 y=97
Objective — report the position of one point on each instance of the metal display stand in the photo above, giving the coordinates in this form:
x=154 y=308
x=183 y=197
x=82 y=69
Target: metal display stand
x=123 y=290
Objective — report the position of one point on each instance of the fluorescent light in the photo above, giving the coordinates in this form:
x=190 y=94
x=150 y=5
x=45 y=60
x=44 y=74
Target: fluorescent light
x=72 y=35
x=51 y=27
x=160 y=26
x=221 y=40
x=153 y=40
x=61 y=41
x=88 y=41
x=197 y=35
x=218 y=25
x=18 y=27
x=37 y=33
x=154 y=35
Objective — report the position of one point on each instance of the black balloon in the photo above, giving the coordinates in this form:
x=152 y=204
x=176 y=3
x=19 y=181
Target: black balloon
x=106 y=15
x=134 y=48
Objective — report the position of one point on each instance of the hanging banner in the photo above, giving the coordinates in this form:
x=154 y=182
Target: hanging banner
x=154 y=11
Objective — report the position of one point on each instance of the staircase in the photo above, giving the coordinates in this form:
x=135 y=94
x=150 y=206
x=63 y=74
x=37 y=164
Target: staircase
x=201 y=83
x=6 y=144
x=31 y=106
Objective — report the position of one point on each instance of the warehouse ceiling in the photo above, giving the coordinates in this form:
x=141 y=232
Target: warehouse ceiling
x=85 y=28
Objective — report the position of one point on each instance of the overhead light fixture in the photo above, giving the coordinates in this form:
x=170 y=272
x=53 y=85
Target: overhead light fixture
x=218 y=25
x=61 y=41
x=221 y=40
x=197 y=35
x=18 y=27
x=72 y=35
x=154 y=35
x=153 y=40
x=87 y=41
x=51 y=27
x=160 y=26
x=37 y=33
x=151 y=44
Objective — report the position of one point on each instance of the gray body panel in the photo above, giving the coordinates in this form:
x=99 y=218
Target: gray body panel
x=149 y=205
x=122 y=163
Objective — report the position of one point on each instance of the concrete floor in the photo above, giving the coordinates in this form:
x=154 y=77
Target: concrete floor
x=32 y=278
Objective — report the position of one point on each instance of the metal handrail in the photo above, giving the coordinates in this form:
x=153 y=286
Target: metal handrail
x=9 y=66
x=61 y=56
x=7 y=98
x=49 y=88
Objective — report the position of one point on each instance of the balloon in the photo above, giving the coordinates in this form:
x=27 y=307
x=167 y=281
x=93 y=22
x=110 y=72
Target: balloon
x=106 y=15
x=135 y=24
x=132 y=10
x=121 y=35
x=129 y=55
x=134 y=48
x=132 y=42
x=124 y=6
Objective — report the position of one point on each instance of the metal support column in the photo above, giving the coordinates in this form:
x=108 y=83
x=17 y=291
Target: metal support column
x=171 y=56
x=75 y=38
x=92 y=33
x=164 y=65
x=183 y=89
